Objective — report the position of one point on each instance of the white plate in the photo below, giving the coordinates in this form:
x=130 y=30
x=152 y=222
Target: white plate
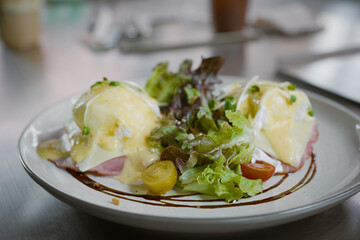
x=336 y=178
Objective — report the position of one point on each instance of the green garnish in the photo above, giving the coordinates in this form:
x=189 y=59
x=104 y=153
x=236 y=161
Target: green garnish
x=229 y=105
x=86 y=130
x=211 y=104
x=291 y=87
x=96 y=84
x=311 y=112
x=105 y=80
x=114 y=84
x=292 y=99
x=254 y=89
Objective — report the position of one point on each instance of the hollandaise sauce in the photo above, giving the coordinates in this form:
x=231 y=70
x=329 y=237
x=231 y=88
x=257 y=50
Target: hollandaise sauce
x=280 y=116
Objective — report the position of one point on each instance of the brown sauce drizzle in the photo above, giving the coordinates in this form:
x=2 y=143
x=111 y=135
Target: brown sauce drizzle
x=175 y=199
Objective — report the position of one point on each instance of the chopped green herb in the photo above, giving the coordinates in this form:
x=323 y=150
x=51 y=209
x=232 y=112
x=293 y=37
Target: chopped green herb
x=311 y=112
x=114 y=84
x=254 y=89
x=96 y=84
x=292 y=99
x=211 y=104
x=105 y=79
x=86 y=130
x=291 y=87
x=231 y=98
x=229 y=105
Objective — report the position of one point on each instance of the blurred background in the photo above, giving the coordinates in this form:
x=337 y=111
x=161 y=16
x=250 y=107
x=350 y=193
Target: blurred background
x=45 y=44
x=53 y=49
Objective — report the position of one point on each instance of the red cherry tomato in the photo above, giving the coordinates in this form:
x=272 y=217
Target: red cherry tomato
x=258 y=170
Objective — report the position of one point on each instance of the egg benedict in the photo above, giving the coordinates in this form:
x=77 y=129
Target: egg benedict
x=281 y=116
x=110 y=120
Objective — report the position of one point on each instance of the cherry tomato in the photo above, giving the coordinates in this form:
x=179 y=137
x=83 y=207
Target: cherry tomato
x=258 y=170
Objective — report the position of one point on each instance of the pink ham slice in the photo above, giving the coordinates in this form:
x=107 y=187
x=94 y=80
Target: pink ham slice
x=111 y=167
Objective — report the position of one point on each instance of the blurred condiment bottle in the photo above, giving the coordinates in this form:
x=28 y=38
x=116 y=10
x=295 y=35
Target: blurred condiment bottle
x=228 y=15
x=20 y=23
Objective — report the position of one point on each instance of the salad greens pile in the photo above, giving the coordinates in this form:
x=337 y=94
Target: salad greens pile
x=205 y=137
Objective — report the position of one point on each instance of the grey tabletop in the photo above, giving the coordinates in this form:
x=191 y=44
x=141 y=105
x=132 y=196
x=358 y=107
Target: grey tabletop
x=63 y=66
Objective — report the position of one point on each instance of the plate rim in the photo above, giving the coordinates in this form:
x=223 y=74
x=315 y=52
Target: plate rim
x=293 y=212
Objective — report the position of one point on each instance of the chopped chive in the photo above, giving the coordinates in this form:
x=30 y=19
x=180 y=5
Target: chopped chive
x=291 y=87
x=231 y=98
x=96 y=84
x=229 y=105
x=86 y=130
x=105 y=79
x=114 y=84
x=292 y=99
x=311 y=112
x=211 y=104
x=254 y=89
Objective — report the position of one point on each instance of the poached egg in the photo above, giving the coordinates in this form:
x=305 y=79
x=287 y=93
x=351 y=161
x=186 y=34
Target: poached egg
x=110 y=120
x=281 y=116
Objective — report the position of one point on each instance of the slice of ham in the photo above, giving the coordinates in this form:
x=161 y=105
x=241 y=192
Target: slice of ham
x=111 y=167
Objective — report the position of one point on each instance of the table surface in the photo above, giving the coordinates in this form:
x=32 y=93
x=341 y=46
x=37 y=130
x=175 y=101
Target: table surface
x=63 y=66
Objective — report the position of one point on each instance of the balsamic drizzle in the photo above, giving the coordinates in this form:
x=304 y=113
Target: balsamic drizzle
x=176 y=200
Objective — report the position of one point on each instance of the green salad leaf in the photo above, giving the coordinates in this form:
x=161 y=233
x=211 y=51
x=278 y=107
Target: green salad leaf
x=206 y=143
x=219 y=180
x=163 y=85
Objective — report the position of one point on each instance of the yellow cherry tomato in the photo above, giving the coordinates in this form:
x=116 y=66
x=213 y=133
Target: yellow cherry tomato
x=160 y=177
